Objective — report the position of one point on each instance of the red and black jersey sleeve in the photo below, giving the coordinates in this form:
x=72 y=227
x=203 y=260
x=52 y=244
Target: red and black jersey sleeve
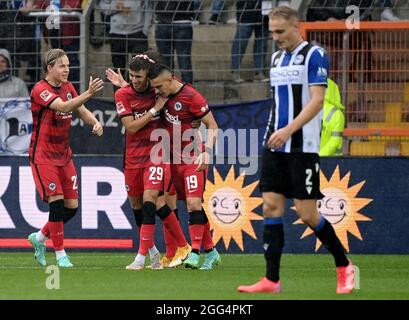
x=122 y=103
x=198 y=107
x=42 y=95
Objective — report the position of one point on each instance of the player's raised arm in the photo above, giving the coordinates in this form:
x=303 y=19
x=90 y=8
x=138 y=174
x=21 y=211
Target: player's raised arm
x=116 y=78
x=95 y=85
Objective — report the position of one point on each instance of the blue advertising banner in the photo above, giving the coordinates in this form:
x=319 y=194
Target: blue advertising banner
x=365 y=200
x=16 y=125
x=242 y=118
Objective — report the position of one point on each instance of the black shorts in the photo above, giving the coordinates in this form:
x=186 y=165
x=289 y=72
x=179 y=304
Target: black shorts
x=295 y=175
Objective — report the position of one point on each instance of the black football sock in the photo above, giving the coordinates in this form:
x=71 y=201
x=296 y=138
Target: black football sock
x=273 y=246
x=326 y=234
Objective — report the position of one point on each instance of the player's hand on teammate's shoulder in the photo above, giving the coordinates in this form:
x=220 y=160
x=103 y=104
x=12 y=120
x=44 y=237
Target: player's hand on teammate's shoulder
x=160 y=102
x=97 y=129
x=95 y=85
x=196 y=124
x=115 y=78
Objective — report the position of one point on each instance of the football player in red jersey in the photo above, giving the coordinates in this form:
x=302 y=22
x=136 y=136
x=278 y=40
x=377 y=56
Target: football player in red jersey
x=189 y=170
x=53 y=100
x=139 y=110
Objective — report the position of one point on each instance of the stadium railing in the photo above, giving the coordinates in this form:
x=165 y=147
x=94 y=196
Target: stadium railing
x=211 y=55
x=371 y=66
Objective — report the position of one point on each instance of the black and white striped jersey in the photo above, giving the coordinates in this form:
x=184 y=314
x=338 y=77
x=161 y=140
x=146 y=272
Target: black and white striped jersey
x=291 y=75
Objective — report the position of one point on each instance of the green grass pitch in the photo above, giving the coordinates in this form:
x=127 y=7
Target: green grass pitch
x=103 y=276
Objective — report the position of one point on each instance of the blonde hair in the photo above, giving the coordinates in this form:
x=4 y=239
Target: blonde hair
x=51 y=57
x=284 y=12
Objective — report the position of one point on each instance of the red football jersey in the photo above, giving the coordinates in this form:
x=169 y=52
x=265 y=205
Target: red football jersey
x=181 y=109
x=130 y=103
x=50 y=139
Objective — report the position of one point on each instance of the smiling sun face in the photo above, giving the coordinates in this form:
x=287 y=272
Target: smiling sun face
x=228 y=205
x=335 y=206
x=340 y=207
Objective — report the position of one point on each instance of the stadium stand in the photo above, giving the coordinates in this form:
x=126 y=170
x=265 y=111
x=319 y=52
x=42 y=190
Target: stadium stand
x=373 y=73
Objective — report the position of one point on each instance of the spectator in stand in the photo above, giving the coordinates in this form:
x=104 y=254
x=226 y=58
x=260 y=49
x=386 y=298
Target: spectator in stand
x=358 y=56
x=7 y=28
x=18 y=36
x=28 y=43
x=217 y=8
x=249 y=19
x=130 y=21
x=387 y=13
x=67 y=36
x=174 y=33
x=10 y=86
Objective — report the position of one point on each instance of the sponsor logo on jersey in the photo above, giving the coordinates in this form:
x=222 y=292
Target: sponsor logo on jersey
x=171 y=118
x=120 y=107
x=203 y=109
x=45 y=95
x=287 y=75
x=64 y=115
x=138 y=115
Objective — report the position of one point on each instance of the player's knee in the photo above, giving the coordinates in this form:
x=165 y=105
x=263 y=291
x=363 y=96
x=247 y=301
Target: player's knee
x=272 y=210
x=150 y=195
x=57 y=211
x=206 y=220
x=149 y=209
x=197 y=217
x=138 y=214
x=308 y=219
x=163 y=212
x=193 y=204
x=69 y=214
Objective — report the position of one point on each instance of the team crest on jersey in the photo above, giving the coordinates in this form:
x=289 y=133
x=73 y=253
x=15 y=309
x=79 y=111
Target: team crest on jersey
x=45 y=95
x=69 y=95
x=299 y=59
x=120 y=107
x=178 y=106
x=52 y=186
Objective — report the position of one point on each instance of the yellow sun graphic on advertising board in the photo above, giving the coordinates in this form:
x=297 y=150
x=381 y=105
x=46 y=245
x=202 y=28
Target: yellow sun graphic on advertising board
x=340 y=207
x=229 y=208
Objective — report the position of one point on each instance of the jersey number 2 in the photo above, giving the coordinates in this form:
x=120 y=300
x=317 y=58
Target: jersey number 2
x=74 y=182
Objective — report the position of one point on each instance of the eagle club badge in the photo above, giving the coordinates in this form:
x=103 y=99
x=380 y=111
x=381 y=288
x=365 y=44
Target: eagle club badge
x=178 y=106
